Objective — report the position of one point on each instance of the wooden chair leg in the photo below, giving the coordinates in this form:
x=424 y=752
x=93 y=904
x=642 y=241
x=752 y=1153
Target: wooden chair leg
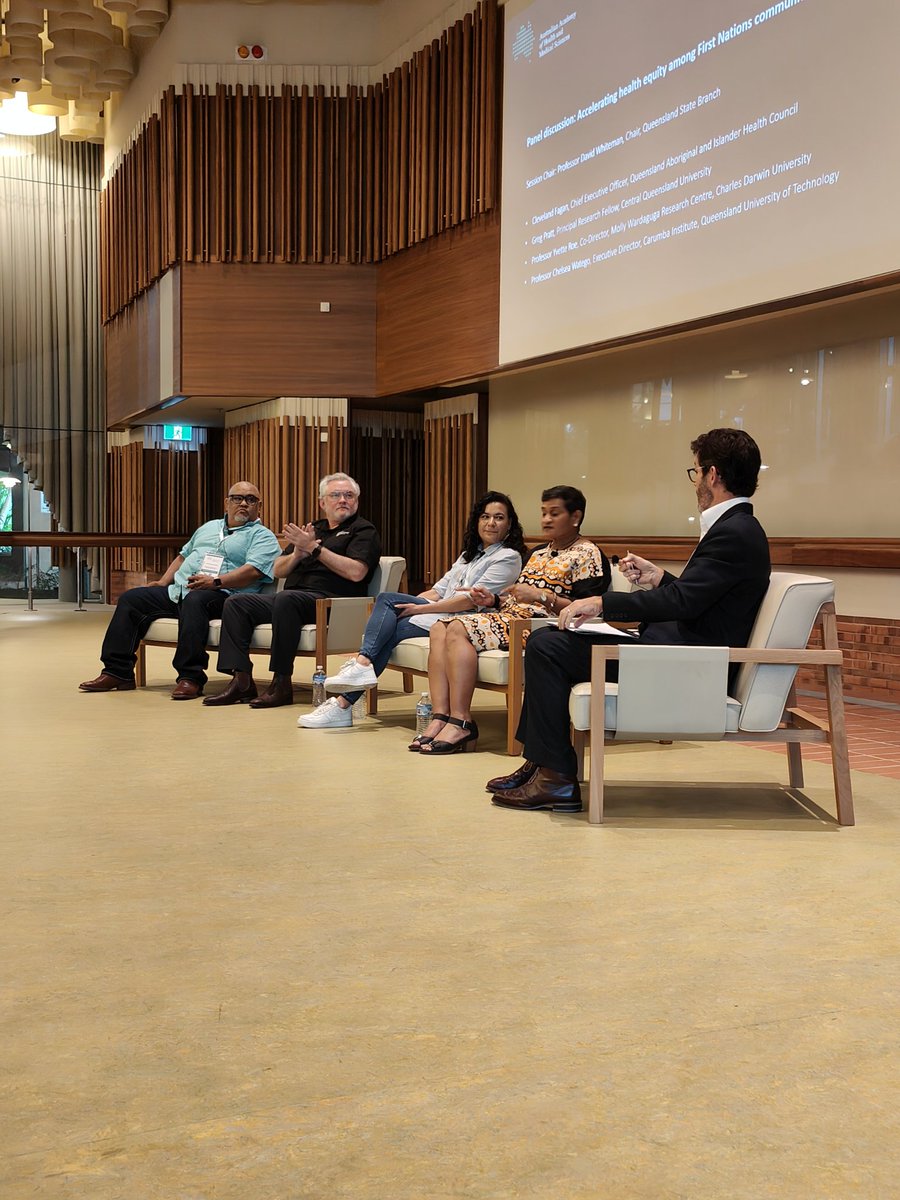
x=795 y=764
x=795 y=761
x=837 y=737
x=579 y=737
x=140 y=667
x=372 y=702
x=598 y=714
x=407 y=681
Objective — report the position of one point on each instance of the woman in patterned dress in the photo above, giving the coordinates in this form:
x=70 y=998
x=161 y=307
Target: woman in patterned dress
x=565 y=569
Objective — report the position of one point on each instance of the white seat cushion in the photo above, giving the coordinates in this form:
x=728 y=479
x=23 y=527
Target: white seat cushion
x=413 y=653
x=580 y=708
x=165 y=630
x=493 y=665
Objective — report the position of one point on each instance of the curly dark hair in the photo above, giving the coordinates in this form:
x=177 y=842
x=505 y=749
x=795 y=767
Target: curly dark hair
x=515 y=539
x=735 y=456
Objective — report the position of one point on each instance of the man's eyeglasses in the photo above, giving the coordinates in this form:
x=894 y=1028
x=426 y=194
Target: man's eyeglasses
x=340 y=495
x=692 y=473
x=244 y=499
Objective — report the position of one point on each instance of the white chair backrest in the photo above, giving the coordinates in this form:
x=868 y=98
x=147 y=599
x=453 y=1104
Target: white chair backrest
x=387 y=575
x=618 y=582
x=784 y=622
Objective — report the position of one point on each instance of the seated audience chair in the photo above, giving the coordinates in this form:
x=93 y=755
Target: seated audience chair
x=497 y=670
x=338 y=628
x=680 y=692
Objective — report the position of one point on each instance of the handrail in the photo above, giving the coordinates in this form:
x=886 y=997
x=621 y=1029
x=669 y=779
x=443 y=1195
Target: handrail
x=882 y=554
x=71 y=541
x=79 y=542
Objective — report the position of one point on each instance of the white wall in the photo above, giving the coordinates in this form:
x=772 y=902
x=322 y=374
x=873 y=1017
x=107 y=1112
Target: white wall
x=619 y=426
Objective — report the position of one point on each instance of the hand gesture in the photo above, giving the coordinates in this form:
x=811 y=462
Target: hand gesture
x=407 y=609
x=301 y=537
x=524 y=593
x=579 y=611
x=639 y=571
x=199 y=583
x=482 y=596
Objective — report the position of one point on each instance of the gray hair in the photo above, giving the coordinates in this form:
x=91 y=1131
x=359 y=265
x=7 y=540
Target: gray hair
x=324 y=482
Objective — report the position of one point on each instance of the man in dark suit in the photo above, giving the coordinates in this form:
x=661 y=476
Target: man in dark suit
x=714 y=602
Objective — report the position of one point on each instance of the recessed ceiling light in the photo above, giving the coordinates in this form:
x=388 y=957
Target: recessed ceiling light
x=736 y=374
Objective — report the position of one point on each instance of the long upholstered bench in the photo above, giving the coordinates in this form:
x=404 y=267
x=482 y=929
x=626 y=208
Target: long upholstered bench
x=337 y=629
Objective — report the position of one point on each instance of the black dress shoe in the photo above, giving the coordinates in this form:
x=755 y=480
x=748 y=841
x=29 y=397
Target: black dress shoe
x=280 y=691
x=545 y=789
x=187 y=689
x=507 y=783
x=107 y=683
x=239 y=691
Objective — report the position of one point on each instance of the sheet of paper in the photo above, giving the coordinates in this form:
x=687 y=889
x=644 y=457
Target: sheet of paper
x=596 y=625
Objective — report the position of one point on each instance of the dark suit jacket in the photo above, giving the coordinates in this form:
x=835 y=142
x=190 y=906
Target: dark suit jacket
x=715 y=600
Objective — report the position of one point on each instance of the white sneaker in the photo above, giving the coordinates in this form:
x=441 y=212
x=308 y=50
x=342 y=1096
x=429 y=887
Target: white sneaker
x=330 y=715
x=352 y=677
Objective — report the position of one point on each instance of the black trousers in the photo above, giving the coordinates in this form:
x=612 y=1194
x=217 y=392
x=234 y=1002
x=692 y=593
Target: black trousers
x=555 y=661
x=138 y=608
x=287 y=611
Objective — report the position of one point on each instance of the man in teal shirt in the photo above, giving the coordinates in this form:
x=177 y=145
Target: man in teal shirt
x=234 y=554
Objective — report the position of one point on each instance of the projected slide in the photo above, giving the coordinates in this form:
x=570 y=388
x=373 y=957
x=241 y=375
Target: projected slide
x=665 y=160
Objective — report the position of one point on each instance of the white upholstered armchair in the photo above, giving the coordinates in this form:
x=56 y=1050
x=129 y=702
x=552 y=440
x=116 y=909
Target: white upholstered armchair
x=666 y=693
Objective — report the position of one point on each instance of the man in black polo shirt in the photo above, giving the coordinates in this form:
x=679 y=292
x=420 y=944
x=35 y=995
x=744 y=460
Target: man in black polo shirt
x=334 y=556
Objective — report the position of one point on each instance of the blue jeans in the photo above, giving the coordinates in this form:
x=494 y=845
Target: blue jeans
x=384 y=629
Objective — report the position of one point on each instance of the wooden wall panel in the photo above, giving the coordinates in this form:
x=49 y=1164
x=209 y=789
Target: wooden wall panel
x=286 y=462
x=438 y=313
x=256 y=330
x=131 y=348
x=450 y=467
x=306 y=175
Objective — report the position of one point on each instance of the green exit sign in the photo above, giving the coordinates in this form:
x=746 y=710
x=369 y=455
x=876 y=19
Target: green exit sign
x=178 y=433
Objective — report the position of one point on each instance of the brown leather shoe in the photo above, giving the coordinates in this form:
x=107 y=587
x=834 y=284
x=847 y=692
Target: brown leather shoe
x=507 y=783
x=280 y=691
x=106 y=683
x=187 y=689
x=545 y=789
x=239 y=691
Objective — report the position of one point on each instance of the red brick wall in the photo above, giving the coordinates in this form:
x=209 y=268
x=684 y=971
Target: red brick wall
x=871 y=647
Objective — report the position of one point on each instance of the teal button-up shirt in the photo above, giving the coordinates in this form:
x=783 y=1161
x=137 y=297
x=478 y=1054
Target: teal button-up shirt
x=251 y=544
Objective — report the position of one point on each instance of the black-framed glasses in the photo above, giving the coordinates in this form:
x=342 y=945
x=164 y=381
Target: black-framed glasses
x=692 y=473
x=243 y=499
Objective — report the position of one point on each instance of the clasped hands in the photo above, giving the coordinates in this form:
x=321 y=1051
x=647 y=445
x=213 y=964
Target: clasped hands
x=301 y=537
x=524 y=592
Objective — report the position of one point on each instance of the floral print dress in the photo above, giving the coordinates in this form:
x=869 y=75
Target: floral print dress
x=582 y=569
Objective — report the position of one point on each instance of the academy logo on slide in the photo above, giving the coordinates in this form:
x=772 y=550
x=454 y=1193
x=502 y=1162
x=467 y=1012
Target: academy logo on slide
x=523 y=42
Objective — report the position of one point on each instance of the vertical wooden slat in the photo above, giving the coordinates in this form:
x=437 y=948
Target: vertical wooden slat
x=306 y=176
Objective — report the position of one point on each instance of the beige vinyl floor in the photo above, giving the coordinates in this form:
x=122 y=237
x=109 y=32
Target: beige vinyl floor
x=245 y=961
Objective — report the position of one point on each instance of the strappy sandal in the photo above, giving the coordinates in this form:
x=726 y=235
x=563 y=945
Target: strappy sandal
x=421 y=740
x=462 y=746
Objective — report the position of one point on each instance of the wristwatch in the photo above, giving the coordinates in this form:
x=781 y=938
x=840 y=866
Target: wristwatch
x=217 y=582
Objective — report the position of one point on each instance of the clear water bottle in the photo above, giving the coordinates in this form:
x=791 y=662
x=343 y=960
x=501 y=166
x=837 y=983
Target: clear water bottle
x=423 y=713
x=318 y=684
x=359 y=709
